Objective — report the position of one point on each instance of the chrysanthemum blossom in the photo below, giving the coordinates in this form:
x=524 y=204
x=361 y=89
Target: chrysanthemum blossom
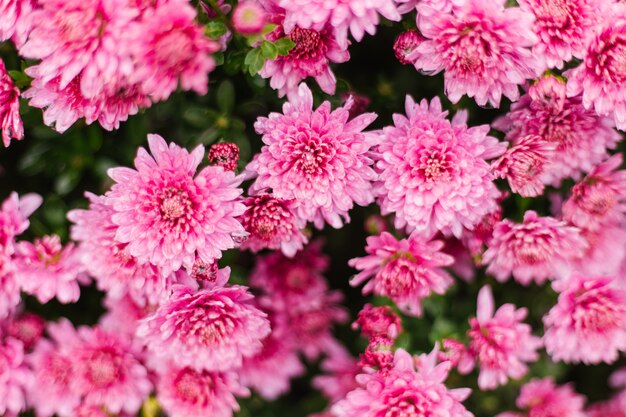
x=167 y=214
x=433 y=173
x=27 y=328
x=378 y=321
x=249 y=17
x=14 y=214
x=600 y=77
x=599 y=200
x=539 y=248
x=542 y=397
x=499 y=342
x=407 y=270
x=588 y=323
x=311 y=56
x=523 y=163
x=10 y=120
x=404 y=391
x=339 y=377
x=186 y=392
x=564 y=29
x=224 y=154
x=209 y=330
x=271 y=224
x=482 y=47
x=615 y=407
x=405 y=44
x=342 y=15
x=15 y=377
x=11 y=11
x=317 y=158
x=581 y=136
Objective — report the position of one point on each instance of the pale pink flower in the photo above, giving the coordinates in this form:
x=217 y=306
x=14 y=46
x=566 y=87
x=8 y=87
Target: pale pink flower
x=311 y=56
x=224 y=154
x=581 y=136
x=482 y=47
x=27 y=328
x=343 y=15
x=523 y=163
x=378 y=321
x=339 y=377
x=15 y=377
x=317 y=158
x=249 y=17
x=186 y=392
x=499 y=342
x=211 y=329
x=404 y=391
x=542 y=397
x=588 y=324
x=10 y=120
x=271 y=224
x=605 y=254
x=564 y=29
x=167 y=214
x=539 y=248
x=433 y=173
x=407 y=270
x=599 y=200
x=47 y=269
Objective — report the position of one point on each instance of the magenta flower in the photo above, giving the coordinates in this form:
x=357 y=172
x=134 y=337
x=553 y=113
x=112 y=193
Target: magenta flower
x=588 y=324
x=311 y=56
x=538 y=249
x=405 y=44
x=433 y=173
x=211 y=329
x=249 y=17
x=10 y=120
x=15 y=377
x=378 y=321
x=27 y=328
x=542 y=397
x=407 y=270
x=168 y=216
x=499 y=342
x=186 y=392
x=271 y=224
x=317 y=158
x=224 y=154
x=481 y=45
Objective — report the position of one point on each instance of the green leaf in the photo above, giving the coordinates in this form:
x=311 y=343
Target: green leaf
x=254 y=61
x=226 y=97
x=21 y=80
x=214 y=29
x=269 y=50
x=284 y=45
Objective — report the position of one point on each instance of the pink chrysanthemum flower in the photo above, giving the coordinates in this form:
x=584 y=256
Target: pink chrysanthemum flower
x=15 y=377
x=224 y=154
x=10 y=10
x=249 y=17
x=123 y=314
x=342 y=15
x=588 y=324
x=481 y=45
x=340 y=372
x=271 y=224
x=600 y=77
x=405 y=44
x=606 y=252
x=433 y=173
x=523 y=163
x=581 y=136
x=168 y=47
x=206 y=330
x=404 y=391
x=615 y=407
x=407 y=270
x=311 y=56
x=378 y=321
x=499 y=342
x=27 y=328
x=542 y=397
x=564 y=28
x=317 y=158
x=47 y=269
x=599 y=200
x=10 y=120
x=167 y=215
x=538 y=249
x=186 y=392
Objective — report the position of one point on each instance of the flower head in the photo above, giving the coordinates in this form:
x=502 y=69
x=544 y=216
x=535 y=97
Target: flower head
x=542 y=397
x=224 y=154
x=405 y=44
x=249 y=18
x=27 y=328
x=10 y=121
x=15 y=377
x=378 y=322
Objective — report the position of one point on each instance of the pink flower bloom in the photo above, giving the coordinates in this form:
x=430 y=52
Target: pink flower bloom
x=11 y=11
x=405 y=44
x=185 y=392
x=317 y=158
x=582 y=137
x=564 y=28
x=48 y=270
x=433 y=173
x=523 y=163
x=166 y=215
x=27 y=328
x=340 y=371
x=168 y=47
x=123 y=315
x=542 y=397
x=615 y=407
x=314 y=50
x=342 y=15
x=600 y=199
x=460 y=357
x=404 y=391
x=206 y=330
x=15 y=377
x=378 y=322
x=588 y=324
x=224 y=154
x=600 y=77
x=482 y=46
x=538 y=249
x=500 y=343
x=10 y=120
x=249 y=18
x=407 y=270
x=271 y=224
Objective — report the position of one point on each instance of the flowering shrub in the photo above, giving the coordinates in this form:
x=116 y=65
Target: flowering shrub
x=316 y=208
